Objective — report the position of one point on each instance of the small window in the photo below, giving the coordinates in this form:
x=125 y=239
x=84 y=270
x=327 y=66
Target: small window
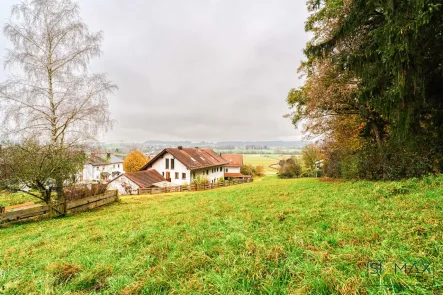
x=173 y=164
x=163 y=174
x=184 y=176
x=176 y=175
x=167 y=163
x=207 y=172
x=226 y=170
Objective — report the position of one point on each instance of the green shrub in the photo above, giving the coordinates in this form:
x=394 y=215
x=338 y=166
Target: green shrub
x=201 y=180
x=291 y=168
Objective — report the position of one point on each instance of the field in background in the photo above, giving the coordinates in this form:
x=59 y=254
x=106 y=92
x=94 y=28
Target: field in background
x=7 y=199
x=277 y=236
x=265 y=161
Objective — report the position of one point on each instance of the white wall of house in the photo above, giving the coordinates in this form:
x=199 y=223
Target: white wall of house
x=212 y=174
x=120 y=183
x=184 y=175
x=232 y=169
x=93 y=172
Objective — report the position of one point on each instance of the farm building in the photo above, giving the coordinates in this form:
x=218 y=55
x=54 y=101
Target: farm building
x=232 y=169
x=184 y=165
x=129 y=183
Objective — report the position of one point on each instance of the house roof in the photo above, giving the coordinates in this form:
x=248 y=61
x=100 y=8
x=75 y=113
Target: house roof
x=98 y=159
x=192 y=158
x=144 y=179
x=234 y=160
x=237 y=175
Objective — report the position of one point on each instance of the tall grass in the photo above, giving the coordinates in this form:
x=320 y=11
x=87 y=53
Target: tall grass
x=270 y=237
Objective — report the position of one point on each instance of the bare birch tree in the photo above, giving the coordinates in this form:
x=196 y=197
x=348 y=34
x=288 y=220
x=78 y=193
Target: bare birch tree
x=50 y=95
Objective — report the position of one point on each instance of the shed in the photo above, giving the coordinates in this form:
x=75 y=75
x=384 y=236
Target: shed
x=129 y=183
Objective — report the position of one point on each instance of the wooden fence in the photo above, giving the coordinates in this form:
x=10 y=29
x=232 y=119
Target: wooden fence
x=191 y=187
x=43 y=211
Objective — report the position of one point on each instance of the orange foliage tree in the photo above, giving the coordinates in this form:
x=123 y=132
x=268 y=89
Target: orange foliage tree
x=134 y=161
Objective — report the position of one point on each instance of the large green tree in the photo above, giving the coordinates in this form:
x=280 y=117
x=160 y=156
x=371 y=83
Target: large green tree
x=380 y=65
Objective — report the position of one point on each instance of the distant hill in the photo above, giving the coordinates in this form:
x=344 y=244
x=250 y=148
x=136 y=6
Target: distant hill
x=295 y=144
x=239 y=144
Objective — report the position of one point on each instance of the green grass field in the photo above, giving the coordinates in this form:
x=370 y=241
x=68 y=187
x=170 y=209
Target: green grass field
x=263 y=160
x=269 y=237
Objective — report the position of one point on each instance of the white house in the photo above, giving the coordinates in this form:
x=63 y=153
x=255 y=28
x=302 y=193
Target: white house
x=129 y=183
x=101 y=167
x=232 y=169
x=184 y=165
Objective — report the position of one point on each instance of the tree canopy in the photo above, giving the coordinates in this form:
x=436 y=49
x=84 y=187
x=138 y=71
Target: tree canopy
x=134 y=161
x=378 y=66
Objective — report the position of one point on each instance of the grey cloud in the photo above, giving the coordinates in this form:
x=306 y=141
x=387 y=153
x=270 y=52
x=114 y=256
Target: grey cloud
x=197 y=69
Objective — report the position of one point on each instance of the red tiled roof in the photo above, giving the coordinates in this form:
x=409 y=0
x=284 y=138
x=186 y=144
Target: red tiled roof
x=192 y=158
x=146 y=178
x=237 y=175
x=234 y=160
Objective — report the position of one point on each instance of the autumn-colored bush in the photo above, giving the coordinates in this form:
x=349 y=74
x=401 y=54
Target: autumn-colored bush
x=248 y=169
x=259 y=171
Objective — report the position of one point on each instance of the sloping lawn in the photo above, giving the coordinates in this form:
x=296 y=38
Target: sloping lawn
x=271 y=237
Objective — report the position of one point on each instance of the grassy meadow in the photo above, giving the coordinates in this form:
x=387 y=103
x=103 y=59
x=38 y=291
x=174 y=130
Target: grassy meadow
x=273 y=236
x=8 y=199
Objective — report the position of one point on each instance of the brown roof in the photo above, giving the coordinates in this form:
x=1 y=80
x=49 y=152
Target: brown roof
x=146 y=178
x=234 y=160
x=192 y=158
x=237 y=175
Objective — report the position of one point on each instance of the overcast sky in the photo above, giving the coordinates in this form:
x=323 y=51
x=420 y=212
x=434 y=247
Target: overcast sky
x=196 y=70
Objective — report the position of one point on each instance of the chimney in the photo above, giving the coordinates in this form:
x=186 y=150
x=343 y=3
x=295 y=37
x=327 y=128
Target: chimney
x=196 y=147
x=180 y=147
